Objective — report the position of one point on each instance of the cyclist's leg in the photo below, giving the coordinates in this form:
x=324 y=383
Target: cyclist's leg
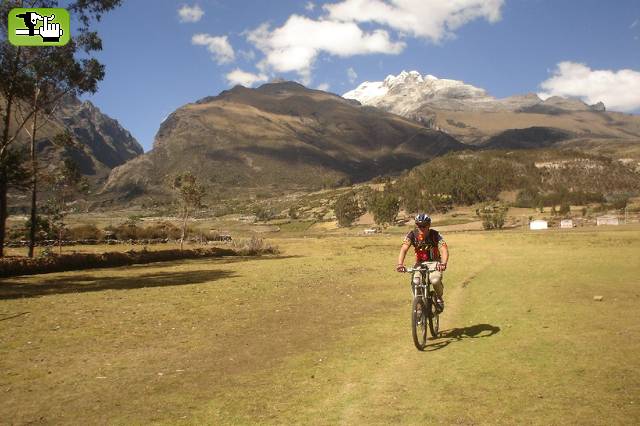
x=436 y=281
x=416 y=278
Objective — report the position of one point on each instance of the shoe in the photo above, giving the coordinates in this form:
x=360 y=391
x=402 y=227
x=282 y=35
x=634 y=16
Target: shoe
x=439 y=305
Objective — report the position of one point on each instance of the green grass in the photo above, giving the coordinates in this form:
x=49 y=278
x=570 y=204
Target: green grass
x=320 y=335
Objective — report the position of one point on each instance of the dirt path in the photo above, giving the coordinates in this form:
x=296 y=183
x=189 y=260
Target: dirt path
x=405 y=366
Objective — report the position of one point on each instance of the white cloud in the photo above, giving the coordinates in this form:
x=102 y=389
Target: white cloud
x=247 y=55
x=429 y=19
x=323 y=86
x=295 y=46
x=635 y=23
x=619 y=90
x=219 y=46
x=190 y=13
x=247 y=79
x=352 y=74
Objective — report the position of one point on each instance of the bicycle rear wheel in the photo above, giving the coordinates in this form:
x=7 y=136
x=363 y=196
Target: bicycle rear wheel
x=419 y=322
x=433 y=317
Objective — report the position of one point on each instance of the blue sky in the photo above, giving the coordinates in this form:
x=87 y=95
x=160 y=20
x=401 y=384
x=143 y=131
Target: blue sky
x=162 y=54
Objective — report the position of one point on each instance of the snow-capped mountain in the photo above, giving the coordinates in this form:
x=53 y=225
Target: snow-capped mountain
x=405 y=92
x=409 y=92
x=472 y=115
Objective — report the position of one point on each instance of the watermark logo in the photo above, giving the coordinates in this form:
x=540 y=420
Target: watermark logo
x=38 y=27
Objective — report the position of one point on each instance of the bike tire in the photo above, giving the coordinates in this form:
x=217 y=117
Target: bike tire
x=433 y=317
x=419 y=323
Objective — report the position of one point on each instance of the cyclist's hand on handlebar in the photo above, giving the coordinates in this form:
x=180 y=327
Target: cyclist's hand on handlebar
x=401 y=268
x=441 y=267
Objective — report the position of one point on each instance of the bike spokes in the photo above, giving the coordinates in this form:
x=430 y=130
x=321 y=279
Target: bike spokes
x=433 y=316
x=419 y=322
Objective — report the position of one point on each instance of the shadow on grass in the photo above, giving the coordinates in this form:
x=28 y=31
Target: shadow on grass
x=457 y=334
x=80 y=283
x=89 y=282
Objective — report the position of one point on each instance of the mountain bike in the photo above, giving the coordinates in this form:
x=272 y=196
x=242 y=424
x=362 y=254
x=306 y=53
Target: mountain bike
x=424 y=308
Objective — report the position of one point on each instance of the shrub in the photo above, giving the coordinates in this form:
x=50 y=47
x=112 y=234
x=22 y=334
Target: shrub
x=127 y=231
x=618 y=201
x=85 y=232
x=44 y=229
x=565 y=209
x=165 y=230
x=493 y=216
x=79 y=261
x=293 y=212
x=254 y=246
x=347 y=209
x=264 y=213
x=384 y=206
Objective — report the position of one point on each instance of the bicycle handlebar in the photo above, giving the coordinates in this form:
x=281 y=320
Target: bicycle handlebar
x=423 y=268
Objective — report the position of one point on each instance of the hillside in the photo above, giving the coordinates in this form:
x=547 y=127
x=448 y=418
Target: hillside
x=278 y=137
x=547 y=176
x=100 y=143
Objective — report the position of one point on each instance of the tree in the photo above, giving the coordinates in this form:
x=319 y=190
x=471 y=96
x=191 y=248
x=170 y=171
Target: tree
x=65 y=183
x=565 y=209
x=264 y=213
x=37 y=78
x=619 y=201
x=62 y=139
x=384 y=206
x=493 y=216
x=190 y=194
x=293 y=212
x=347 y=209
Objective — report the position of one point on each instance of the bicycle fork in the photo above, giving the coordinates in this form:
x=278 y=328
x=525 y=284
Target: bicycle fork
x=419 y=285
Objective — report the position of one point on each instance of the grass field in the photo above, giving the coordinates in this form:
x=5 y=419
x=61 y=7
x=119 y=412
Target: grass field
x=320 y=335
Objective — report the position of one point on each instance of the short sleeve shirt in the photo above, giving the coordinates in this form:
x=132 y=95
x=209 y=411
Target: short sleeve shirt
x=427 y=245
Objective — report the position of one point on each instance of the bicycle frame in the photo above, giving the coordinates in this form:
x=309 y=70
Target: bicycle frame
x=424 y=287
x=422 y=307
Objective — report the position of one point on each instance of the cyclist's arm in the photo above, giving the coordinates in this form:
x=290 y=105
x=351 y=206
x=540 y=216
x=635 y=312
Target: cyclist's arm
x=444 y=253
x=403 y=253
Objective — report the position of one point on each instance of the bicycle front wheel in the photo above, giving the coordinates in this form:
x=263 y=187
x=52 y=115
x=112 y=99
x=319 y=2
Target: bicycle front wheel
x=419 y=322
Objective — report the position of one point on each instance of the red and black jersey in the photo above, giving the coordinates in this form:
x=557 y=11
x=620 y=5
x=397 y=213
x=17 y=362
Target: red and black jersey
x=426 y=244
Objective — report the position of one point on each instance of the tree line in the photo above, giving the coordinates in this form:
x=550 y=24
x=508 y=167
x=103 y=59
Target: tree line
x=33 y=83
x=541 y=178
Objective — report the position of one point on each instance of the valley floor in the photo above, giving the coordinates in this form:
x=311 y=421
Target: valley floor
x=320 y=335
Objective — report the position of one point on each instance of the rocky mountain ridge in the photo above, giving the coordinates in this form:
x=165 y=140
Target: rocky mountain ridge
x=472 y=116
x=110 y=143
x=99 y=142
x=408 y=92
x=280 y=136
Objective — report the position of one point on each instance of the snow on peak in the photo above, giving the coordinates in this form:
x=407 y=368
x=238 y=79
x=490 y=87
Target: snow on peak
x=409 y=89
x=403 y=78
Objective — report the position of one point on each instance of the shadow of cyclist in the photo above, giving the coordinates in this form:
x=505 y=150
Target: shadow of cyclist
x=456 y=334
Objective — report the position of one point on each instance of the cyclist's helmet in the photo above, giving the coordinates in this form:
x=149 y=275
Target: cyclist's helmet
x=422 y=219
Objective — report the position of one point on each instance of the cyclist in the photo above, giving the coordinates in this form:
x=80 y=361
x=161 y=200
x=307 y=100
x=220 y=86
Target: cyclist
x=429 y=247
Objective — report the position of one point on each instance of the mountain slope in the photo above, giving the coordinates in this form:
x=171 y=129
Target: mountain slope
x=547 y=176
x=276 y=137
x=99 y=142
x=472 y=116
x=529 y=138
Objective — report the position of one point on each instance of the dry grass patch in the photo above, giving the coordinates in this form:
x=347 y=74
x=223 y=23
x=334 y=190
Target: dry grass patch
x=320 y=335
